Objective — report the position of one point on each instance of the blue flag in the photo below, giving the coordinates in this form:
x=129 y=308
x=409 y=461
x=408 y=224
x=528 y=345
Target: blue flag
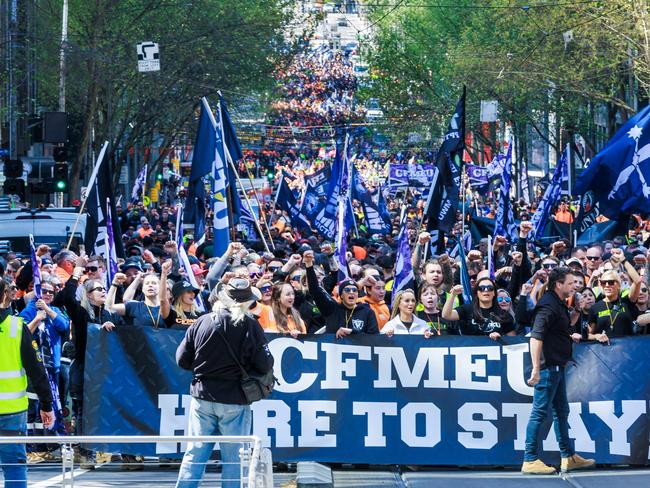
x=344 y=208
x=377 y=222
x=551 y=195
x=319 y=180
x=234 y=153
x=286 y=201
x=443 y=198
x=618 y=175
x=36 y=270
x=203 y=160
x=504 y=223
x=323 y=217
x=404 y=277
x=220 y=220
x=248 y=222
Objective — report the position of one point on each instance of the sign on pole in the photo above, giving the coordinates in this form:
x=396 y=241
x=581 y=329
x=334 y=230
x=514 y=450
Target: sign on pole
x=148 y=57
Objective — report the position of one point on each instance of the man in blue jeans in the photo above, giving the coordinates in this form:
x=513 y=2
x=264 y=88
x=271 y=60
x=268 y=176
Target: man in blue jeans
x=19 y=359
x=219 y=406
x=551 y=349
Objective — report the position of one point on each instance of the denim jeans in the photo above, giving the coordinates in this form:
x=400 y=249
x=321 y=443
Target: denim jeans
x=212 y=418
x=13 y=456
x=550 y=392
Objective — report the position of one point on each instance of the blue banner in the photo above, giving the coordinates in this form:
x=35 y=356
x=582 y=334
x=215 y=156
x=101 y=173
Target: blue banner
x=379 y=400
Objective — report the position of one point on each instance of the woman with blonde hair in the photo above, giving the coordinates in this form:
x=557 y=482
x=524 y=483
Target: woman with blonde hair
x=403 y=319
x=286 y=319
x=182 y=310
x=614 y=314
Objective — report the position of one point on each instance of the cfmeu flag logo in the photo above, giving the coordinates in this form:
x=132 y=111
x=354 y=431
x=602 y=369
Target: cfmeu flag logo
x=619 y=175
x=639 y=156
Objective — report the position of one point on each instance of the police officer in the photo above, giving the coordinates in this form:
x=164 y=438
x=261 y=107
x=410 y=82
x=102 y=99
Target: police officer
x=19 y=358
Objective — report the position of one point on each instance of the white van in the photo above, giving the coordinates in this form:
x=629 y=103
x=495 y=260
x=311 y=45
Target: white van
x=51 y=226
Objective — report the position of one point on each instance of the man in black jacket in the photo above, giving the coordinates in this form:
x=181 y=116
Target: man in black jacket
x=344 y=318
x=219 y=406
x=551 y=349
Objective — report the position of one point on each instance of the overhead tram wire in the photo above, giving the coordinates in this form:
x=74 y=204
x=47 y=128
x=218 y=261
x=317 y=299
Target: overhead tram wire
x=538 y=5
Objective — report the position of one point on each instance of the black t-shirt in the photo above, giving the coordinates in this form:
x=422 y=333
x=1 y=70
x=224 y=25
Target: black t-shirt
x=436 y=324
x=175 y=321
x=494 y=320
x=615 y=318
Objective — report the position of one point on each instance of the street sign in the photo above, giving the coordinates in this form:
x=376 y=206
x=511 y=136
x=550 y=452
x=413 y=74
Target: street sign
x=146 y=201
x=148 y=57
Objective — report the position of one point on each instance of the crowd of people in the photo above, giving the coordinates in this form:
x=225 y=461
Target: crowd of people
x=298 y=290
x=316 y=89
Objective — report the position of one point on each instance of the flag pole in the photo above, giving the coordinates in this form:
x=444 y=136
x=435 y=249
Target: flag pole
x=259 y=204
x=462 y=196
x=91 y=182
x=250 y=207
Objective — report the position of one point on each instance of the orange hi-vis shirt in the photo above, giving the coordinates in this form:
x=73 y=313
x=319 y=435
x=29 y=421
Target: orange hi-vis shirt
x=264 y=315
x=380 y=308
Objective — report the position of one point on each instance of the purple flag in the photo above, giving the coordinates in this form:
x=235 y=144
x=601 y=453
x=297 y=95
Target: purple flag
x=36 y=270
x=111 y=258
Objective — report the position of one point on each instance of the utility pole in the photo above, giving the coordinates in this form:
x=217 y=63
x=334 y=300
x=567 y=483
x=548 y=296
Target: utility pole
x=12 y=99
x=64 y=42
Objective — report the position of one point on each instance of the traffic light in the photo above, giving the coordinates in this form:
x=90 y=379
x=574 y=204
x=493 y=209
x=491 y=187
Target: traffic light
x=60 y=154
x=61 y=177
x=13 y=168
x=15 y=186
x=270 y=175
x=159 y=176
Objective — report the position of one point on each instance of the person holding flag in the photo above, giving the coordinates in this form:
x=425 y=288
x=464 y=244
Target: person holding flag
x=50 y=327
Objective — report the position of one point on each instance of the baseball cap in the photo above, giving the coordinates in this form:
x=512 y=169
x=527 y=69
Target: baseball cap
x=181 y=287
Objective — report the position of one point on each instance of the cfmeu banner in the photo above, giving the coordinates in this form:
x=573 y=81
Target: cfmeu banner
x=374 y=399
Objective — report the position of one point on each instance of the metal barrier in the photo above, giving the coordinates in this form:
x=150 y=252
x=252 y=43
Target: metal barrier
x=255 y=462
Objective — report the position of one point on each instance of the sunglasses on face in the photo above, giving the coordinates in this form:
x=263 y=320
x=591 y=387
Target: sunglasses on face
x=273 y=269
x=265 y=289
x=296 y=278
x=47 y=292
x=608 y=282
x=643 y=290
x=350 y=289
x=503 y=299
x=549 y=266
x=485 y=288
x=98 y=288
x=255 y=275
x=593 y=258
x=92 y=269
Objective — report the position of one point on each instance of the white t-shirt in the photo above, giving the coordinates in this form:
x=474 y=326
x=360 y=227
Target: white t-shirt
x=397 y=326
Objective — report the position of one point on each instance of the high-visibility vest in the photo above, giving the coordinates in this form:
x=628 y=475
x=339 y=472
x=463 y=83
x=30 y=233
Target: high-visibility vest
x=13 y=379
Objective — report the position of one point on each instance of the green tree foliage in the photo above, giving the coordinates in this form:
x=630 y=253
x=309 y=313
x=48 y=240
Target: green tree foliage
x=576 y=60
x=205 y=46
